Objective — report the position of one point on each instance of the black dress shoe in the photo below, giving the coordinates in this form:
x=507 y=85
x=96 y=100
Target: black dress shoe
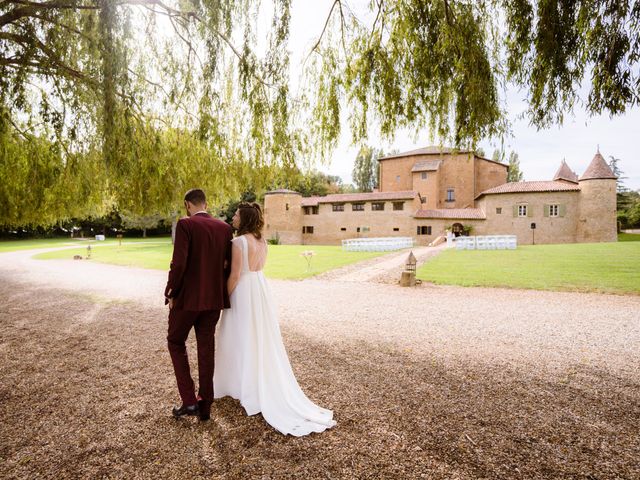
x=205 y=410
x=185 y=410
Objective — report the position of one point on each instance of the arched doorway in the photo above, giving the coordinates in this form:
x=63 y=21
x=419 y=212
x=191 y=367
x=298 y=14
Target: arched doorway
x=457 y=229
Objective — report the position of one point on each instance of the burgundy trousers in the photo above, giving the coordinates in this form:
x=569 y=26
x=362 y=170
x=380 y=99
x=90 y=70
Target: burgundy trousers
x=204 y=323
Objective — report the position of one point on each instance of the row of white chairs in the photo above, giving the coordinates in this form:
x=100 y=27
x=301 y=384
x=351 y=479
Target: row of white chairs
x=383 y=244
x=487 y=242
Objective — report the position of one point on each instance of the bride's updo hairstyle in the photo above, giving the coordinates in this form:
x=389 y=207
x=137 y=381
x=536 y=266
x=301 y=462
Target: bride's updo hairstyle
x=251 y=220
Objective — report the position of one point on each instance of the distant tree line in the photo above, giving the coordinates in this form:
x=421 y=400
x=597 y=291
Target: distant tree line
x=628 y=201
x=88 y=222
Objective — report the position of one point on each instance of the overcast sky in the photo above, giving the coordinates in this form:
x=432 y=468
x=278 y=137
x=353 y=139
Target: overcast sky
x=540 y=151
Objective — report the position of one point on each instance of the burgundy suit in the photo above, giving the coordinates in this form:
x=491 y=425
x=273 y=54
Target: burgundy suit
x=198 y=286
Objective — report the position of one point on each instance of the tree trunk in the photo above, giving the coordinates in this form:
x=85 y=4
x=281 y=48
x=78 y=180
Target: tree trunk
x=144 y=233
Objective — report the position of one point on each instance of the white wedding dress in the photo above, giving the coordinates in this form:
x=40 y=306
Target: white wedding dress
x=251 y=363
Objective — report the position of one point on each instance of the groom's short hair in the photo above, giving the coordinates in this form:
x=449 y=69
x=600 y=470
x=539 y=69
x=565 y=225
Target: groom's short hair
x=195 y=196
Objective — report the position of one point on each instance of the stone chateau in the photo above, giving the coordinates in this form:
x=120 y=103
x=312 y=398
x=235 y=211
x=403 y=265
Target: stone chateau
x=424 y=192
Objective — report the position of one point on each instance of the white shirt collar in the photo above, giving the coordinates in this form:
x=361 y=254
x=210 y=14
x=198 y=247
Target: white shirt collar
x=201 y=211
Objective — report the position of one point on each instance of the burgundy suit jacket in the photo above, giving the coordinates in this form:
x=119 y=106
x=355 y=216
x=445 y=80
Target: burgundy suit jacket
x=200 y=265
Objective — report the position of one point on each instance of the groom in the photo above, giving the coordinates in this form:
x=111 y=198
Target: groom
x=196 y=293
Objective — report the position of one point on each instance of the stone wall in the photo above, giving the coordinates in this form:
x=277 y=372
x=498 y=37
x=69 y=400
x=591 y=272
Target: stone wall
x=283 y=217
x=330 y=228
x=597 y=221
x=457 y=172
x=465 y=174
x=401 y=167
x=561 y=229
x=488 y=174
x=428 y=188
x=588 y=215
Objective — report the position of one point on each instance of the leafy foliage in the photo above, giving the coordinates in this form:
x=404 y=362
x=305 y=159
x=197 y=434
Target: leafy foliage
x=157 y=93
x=514 y=173
x=366 y=169
x=127 y=104
x=627 y=201
x=442 y=63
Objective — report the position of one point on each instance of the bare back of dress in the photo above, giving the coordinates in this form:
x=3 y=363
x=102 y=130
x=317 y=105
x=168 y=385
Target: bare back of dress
x=256 y=253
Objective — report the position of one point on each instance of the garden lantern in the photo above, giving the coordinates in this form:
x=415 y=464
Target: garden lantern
x=410 y=266
x=408 y=278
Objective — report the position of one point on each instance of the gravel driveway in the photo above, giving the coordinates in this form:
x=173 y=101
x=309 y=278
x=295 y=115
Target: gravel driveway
x=432 y=382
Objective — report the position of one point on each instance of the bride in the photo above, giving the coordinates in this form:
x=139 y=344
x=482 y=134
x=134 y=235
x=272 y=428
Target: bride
x=251 y=362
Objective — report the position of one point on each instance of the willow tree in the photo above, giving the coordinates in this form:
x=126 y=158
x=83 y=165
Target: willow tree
x=443 y=64
x=168 y=94
x=121 y=79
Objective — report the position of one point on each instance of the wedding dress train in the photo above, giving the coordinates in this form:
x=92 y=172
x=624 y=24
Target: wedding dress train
x=251 y=362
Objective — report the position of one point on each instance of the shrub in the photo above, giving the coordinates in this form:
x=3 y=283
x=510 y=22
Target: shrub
x=275 y=240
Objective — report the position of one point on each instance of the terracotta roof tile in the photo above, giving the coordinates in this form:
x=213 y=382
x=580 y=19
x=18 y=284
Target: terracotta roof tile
x=598 y=168
x=426 y=166
x=358 y=197
x=432 y=150
x=453 y=213
x=310 y=201
x=565 y=173
x=282 y=190
x=523 y=187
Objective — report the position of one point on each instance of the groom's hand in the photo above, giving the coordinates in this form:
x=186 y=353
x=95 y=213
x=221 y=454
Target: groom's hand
x=170 y=303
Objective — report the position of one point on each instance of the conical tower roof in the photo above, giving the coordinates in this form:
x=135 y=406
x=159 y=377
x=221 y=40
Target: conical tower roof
x=565 y=173
x=598 y=169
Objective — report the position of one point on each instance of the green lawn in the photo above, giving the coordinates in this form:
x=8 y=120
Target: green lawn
x=284 y=261
x=629 y=237
x=14 y=245
x=594 y=267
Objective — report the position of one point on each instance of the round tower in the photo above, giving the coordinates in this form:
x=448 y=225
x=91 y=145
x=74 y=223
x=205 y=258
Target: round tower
x=283 y=216
x=597 y=219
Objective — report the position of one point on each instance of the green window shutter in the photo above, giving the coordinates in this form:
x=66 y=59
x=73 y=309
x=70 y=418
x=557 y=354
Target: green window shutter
x=546 y=210
x=562 y=210
x=529 y=210
x=515 y=210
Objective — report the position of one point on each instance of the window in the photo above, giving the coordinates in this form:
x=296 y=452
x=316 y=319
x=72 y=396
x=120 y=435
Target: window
x=286 y=206
x=450 y=195
x=343 y=229
x=311 y=210
x=398 y=206
x=377 y=206
x=396 y=229
x=338 y=207
x=423 y=199
x=358 y=229
x=357 y=207
x=424 y=230
x=498 y=210
x=398 y=178
x=423 y=175
x=307 y=229
x=555 y=210
x=522 y=210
